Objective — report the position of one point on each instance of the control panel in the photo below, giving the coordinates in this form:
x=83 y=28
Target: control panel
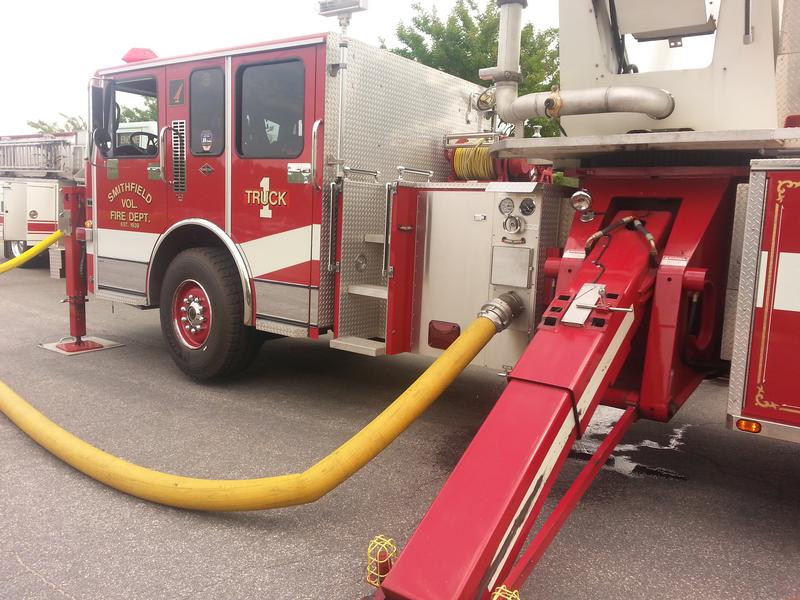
x=475 y=242
x=525 y=225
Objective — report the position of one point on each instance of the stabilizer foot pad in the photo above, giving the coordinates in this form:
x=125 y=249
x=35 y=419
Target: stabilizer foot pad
x=88 y=344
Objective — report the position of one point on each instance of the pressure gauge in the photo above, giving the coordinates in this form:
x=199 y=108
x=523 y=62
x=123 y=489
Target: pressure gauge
x=506 y=206
x=527 y=206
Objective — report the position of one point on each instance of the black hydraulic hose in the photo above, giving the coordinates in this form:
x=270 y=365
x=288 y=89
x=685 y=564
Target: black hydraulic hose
x=605 y=231
x=630 y=221
x=650 y=240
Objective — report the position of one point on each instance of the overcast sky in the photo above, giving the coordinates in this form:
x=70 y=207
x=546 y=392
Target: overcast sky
x=50 y=48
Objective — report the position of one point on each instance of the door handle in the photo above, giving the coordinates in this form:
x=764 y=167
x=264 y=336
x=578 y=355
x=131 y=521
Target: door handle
x=391 y=191
x=333 y=235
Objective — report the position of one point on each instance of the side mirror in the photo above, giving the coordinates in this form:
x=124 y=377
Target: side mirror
x=101 y=139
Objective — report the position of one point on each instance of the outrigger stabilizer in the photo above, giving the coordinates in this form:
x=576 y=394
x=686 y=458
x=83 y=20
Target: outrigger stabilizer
x=75 y=233
x=613 y=335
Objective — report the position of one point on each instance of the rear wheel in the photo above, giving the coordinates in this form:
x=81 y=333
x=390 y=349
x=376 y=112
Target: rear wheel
x=201 y=315
x=17 y=248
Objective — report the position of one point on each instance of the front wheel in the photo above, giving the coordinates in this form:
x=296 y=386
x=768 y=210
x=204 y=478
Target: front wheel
x=201 y=315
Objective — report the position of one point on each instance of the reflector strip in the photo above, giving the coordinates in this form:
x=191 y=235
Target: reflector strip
x=567 y=428
x=282 y=250
x=787 y=282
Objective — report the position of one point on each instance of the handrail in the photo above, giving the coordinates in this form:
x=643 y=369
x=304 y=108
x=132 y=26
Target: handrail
x=314 y=143
x=162 y=153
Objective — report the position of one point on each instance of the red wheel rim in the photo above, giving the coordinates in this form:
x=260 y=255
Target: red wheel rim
x=191 y=314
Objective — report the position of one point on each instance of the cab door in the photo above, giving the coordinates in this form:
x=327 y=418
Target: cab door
x=271 y=189
x=196 y=144
x=130 y=196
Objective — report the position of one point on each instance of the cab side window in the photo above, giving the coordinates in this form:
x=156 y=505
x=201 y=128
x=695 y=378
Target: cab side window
x=270 y=110
x=135 y=122
x=207 y=112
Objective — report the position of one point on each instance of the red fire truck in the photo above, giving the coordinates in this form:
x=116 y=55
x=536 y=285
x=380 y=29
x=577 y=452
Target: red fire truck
x=317 y=186
x=33 y=171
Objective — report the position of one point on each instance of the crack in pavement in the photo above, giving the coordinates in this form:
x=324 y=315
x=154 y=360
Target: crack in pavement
x=55 y=587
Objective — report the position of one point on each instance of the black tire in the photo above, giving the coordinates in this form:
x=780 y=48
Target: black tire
x=227 y=346
x=14 y=249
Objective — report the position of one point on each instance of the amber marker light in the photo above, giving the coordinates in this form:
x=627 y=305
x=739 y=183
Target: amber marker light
x=88 y=224
x=748 y=426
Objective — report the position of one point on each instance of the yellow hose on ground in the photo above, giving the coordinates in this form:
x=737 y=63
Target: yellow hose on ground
x=267 y=492
x=31 y=253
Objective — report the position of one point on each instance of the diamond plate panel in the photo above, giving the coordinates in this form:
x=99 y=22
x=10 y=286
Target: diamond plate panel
x=363 y=212
x=729 y=324
x=551 y=229
x=790 y=27
x=787 y=65
x=745 y=299
x=130 y=300
x=283 y=329
x=787 y=95
x=566 y=216
x=734 y=269
x=396 y=112
x=737 y=235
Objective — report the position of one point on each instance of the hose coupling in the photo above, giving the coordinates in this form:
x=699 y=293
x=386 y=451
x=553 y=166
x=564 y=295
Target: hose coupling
x=502 y=310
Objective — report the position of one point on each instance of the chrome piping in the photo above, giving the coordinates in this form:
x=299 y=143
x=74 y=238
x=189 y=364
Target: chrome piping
x=314 y=152
x=228 y=141
x=653 y=102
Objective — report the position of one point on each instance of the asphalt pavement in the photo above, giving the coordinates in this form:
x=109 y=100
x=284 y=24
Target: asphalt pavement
x=685 y=510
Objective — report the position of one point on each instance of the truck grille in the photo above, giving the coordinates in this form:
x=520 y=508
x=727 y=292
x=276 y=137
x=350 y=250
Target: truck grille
x=179 y=156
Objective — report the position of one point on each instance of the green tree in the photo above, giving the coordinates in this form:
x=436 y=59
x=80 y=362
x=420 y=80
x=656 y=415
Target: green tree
x=467 y=41
x=149 y=112
x=67 y=125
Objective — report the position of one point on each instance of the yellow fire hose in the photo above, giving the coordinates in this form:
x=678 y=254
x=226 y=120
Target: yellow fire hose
x=268 y=492
x=31 y=253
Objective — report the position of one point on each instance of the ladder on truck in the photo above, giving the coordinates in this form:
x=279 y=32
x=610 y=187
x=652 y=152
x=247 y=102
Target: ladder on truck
x=59 y=155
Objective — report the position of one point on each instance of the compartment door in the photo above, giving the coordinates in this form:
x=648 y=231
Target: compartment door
x=42 y=200
x=15 y=201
